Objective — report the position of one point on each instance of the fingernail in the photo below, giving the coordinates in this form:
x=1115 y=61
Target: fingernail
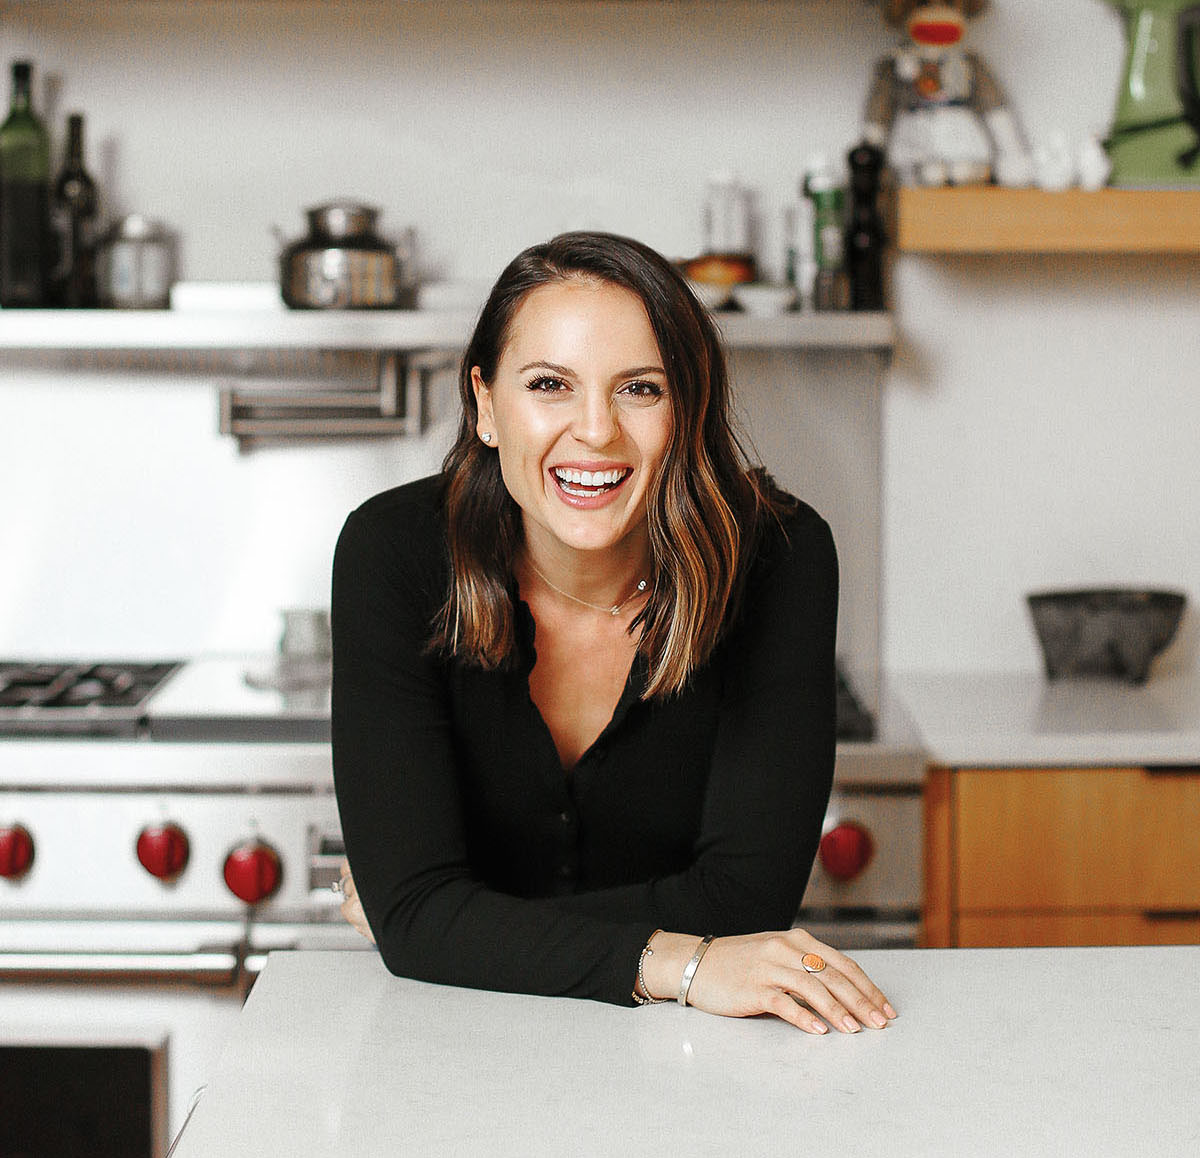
x=850 y=1025
x=877 y=1019
x=819 y=1027
x=887 y=1008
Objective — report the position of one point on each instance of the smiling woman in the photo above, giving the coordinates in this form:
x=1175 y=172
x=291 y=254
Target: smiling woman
x=628 y=810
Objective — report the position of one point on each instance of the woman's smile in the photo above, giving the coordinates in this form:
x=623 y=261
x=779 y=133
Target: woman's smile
x=592 y=485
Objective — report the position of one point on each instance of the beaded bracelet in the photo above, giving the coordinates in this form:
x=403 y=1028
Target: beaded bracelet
x=646 y=952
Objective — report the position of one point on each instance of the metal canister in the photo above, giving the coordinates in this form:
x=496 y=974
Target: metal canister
x=135 y=264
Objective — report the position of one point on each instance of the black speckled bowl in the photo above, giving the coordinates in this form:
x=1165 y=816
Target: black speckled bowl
x=1111 y=632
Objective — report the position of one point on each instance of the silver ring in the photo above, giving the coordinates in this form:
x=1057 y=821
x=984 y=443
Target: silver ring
x=338 y=888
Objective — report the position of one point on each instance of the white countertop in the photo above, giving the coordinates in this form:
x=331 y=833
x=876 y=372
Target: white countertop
x=1005 y=719
x=1030 y=1052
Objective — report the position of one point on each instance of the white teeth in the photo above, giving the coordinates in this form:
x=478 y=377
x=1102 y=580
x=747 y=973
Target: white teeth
x=589 y=478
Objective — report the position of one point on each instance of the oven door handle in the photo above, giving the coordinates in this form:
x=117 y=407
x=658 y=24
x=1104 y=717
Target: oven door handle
x=204 y=967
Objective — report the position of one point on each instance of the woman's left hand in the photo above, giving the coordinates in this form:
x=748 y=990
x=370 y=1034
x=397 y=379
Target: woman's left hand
x=352 y=908
x=781 y=973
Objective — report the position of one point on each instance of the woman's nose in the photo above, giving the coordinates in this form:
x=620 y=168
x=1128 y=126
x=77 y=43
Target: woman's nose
x=596 y=421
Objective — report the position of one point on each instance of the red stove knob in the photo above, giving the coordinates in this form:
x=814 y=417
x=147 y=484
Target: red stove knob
x=846 y=850
x=163 y=850
x=16 y=851
x=253 y=871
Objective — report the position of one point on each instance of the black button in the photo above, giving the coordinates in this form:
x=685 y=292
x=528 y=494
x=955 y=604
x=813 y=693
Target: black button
x=565 y=871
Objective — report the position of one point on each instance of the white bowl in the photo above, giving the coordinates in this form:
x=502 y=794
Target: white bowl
x=764 y=301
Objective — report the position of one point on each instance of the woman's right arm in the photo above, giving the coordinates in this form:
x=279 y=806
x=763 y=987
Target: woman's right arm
x=398 y=787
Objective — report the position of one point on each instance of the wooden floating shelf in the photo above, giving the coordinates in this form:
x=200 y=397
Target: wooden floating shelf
x=993 y=220
x=381 y=330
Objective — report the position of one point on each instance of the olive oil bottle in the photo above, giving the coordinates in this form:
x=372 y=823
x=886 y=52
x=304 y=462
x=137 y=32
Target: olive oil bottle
x=26 y=238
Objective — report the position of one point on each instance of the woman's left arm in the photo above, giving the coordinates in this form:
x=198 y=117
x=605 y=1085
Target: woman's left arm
x=771 y=773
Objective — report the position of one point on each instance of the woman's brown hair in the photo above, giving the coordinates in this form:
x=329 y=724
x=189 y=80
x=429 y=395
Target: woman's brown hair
x=704 y=506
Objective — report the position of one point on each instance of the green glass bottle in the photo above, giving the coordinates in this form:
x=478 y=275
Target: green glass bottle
x=26 y=239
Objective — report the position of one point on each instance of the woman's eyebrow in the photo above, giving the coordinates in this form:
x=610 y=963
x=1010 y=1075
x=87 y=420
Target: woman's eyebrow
x=567 y=372
x=552 y=366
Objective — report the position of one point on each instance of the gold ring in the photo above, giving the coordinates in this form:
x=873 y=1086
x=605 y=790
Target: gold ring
x=812 y=963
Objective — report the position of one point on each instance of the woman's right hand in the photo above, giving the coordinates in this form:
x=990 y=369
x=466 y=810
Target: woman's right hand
x=352 y=908
x=765 y=973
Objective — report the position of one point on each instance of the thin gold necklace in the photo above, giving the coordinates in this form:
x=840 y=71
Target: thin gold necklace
x=641 y=586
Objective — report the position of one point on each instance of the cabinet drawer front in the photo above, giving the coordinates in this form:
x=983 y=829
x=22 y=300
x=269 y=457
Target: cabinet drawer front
x=1011 y=930
x=1076 y=838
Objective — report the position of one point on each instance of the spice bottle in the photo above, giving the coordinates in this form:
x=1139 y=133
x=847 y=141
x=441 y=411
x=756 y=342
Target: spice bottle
x=831 y=288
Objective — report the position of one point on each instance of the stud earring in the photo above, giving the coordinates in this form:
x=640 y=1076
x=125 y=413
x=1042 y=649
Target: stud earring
x=486 y=436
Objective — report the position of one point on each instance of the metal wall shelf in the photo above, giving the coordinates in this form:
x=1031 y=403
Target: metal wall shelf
x=175 y=330
x=312 y=374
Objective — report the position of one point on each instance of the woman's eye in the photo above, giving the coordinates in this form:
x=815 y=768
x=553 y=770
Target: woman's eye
x=547 y=385
x=644 y=389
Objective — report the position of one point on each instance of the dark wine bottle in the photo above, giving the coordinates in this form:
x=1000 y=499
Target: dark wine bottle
x=75 y=206
x=26 y=239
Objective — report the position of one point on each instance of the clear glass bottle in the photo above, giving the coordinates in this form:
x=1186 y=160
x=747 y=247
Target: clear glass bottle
x=26 y=239
x=75 y=207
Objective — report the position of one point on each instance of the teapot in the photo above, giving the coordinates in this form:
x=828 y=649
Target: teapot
x=342 y=263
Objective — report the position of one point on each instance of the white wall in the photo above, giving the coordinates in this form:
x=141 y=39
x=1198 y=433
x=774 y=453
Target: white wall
x=1033 y=416
x=1051 y=441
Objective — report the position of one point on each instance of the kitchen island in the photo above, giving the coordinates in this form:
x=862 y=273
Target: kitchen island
x=1030 y=1052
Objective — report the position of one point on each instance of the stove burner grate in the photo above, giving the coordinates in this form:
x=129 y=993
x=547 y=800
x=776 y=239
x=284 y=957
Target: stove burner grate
x=48 y=698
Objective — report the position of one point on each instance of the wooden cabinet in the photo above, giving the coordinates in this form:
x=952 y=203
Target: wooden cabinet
x=1062 y=856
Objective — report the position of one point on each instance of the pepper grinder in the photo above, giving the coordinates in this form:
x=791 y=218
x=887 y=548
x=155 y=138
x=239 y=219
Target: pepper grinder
x=865 y=236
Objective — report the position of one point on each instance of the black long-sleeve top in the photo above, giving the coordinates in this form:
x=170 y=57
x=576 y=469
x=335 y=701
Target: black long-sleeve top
x=481 y=862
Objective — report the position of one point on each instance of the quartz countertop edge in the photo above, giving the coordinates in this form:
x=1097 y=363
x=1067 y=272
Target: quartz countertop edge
x=1008 y=719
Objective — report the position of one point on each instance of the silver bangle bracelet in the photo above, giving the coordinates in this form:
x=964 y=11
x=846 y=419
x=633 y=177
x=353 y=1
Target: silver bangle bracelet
x=685 y=982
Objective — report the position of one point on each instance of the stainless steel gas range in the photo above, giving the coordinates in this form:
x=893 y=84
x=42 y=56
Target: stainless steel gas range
x=162 y=827
x=165 y=791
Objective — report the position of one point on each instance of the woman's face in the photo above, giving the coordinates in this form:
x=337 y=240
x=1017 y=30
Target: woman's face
x=580 y=415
